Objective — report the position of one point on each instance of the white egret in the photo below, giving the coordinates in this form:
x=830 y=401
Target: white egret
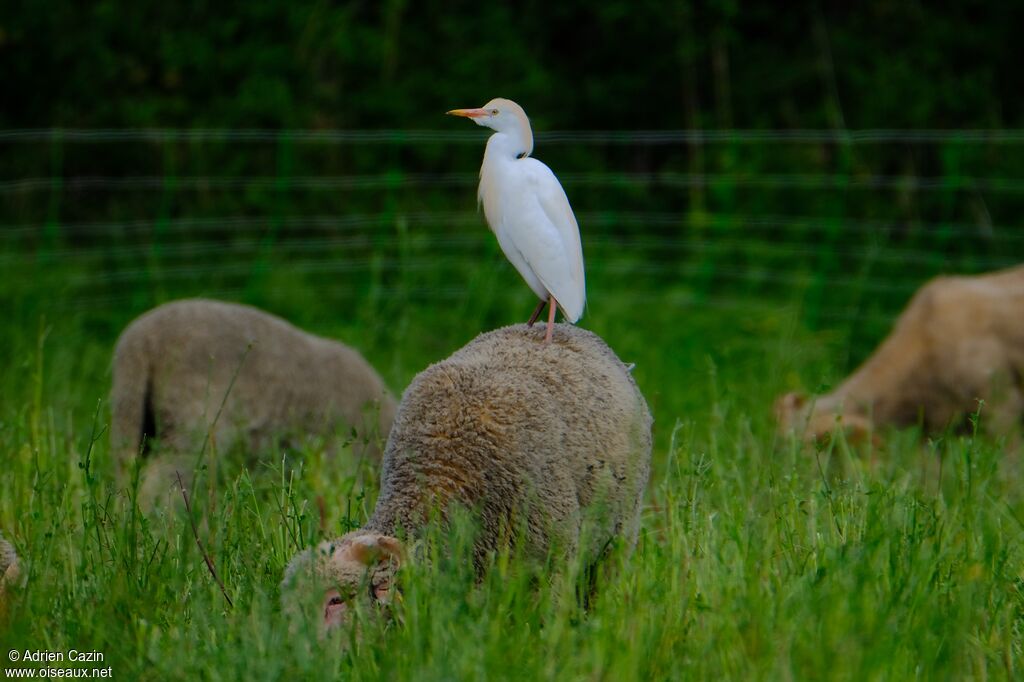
x=528 y=212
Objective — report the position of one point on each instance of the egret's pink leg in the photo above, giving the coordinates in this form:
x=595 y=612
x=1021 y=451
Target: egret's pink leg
x=551 y=319
x=536 y=313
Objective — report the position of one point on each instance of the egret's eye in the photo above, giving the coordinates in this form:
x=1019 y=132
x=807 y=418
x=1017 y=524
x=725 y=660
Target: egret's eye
x=494 y=112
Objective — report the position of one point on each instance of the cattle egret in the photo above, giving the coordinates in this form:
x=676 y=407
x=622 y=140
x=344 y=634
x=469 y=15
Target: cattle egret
x=528 y=212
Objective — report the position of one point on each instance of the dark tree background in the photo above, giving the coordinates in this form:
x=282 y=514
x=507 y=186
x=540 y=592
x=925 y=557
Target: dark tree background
x=607 y=65
x=861 y=222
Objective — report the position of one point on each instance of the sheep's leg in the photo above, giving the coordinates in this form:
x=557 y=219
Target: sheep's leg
x=551 y=319
x=536 y=313
x=158 y=481
x=1005 y=407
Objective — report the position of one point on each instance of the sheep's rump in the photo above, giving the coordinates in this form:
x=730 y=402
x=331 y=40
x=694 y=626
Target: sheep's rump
x=554 y=434
x=173 y=368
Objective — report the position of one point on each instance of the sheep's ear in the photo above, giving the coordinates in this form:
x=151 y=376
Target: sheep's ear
x=372 y=549
x=791 y=401
x=787 y=407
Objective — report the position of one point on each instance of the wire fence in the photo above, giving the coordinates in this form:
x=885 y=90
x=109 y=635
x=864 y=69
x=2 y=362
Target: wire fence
x=849 y=223
x=461 y=180
x=412 y=136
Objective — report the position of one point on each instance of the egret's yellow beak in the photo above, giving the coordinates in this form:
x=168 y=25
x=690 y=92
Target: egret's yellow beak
x=469 y=113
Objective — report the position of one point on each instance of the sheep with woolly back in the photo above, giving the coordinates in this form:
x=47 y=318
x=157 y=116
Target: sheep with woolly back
x=960 y=339
x=548 y=445
x=195 y=369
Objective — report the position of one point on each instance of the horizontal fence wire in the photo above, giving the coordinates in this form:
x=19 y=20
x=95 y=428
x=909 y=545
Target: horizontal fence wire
x=749 y=223
x=619 y=137
x=473 y=243
x=451 y=295
x=392 y=181
x=327 y=266
x=849 y=241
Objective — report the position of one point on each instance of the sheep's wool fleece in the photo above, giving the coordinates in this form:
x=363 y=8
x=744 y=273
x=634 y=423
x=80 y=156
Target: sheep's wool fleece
x=960 y=339
x=181 y=358
x=541 y=438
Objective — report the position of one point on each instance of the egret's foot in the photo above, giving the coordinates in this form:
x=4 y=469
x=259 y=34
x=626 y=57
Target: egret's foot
x=536 y=313
x=551 y=319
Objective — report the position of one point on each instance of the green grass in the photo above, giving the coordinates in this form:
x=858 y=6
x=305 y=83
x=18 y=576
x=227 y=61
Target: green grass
x=758 y=560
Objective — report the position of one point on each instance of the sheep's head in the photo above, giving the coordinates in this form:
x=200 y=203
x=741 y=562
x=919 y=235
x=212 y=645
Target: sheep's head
x=790 y=411
x=358 y=566
x=796 y=414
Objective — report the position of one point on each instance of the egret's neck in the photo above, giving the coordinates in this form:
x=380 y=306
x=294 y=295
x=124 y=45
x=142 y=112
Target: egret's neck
x=506 y=147
x=503 y=151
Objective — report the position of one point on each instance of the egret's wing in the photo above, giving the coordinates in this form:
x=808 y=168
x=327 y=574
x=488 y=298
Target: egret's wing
x=571 y=293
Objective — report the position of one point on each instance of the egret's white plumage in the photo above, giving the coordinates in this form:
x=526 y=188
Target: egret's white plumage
x=527 y=209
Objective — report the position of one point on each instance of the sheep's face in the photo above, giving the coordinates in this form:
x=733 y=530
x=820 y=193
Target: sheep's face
x=795 y=414
x=358 y=566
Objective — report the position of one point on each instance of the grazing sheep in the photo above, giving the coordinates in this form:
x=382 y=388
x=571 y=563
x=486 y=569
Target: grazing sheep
x=959 y=339
x=8 y=565
x=532 y=437
x=174 y=365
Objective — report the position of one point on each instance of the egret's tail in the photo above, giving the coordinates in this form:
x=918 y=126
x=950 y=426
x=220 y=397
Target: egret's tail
x=572 y=305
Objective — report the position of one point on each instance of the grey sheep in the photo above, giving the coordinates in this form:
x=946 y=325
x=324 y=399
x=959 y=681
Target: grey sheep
x=546 y=438
x=174 y=365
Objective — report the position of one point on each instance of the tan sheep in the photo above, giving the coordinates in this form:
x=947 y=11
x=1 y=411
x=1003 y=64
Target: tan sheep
x=8 y=565
x=543 y=437
x=959 y=339
x=174 y=365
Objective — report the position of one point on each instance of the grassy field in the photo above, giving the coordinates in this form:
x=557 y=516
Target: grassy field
x=759 y=194
x=758 y=559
